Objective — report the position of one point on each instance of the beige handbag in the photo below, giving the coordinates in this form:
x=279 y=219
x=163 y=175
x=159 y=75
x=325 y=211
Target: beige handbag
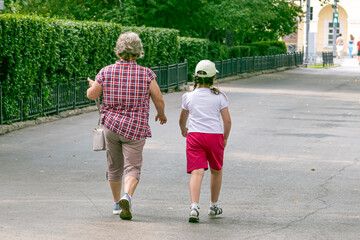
x=98 y=135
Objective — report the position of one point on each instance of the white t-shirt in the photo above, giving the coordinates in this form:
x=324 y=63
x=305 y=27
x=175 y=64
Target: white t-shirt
x=204 y=110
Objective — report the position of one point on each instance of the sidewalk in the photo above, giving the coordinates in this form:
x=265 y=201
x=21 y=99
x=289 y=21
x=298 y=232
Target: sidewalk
x=347 y=62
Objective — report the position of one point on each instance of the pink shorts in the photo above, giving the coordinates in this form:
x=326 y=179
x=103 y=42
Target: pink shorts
x=202 y=148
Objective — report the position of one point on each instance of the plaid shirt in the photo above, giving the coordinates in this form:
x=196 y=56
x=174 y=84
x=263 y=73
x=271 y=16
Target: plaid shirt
x=126 y=98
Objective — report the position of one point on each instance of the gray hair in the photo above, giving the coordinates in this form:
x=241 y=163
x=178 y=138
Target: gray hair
x=129 y=45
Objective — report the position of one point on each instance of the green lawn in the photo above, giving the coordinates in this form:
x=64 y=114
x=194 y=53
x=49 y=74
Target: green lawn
x=320 y=65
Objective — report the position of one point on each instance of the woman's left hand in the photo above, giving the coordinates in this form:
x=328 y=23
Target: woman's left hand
x=161 y=117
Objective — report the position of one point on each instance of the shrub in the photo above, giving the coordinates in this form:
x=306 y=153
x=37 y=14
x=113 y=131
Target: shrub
x=218 y=51
x=240 y=51
x=269 y=48
x=193 y=50
x=38 y=53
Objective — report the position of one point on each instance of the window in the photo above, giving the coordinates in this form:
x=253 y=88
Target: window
x=330 y=30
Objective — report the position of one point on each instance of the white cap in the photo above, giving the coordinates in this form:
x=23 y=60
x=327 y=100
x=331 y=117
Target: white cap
x=206 y=66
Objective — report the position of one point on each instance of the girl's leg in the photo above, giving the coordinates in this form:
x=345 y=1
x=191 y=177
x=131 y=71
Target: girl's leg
x=195 y=184
x=215 y=184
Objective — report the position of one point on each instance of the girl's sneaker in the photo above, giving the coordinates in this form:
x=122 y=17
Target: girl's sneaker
x=117 y=208
x=214 y=211
x=194 y=215
x=125 y=205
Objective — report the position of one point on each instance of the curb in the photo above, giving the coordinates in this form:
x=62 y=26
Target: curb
x=248 y=75
x=4 y=129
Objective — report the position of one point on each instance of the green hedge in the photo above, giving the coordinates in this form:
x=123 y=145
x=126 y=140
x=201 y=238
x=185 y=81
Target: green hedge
x=218 y=51
x=258 y=49
x=269 y=48
x=241 y=51
x=195 y=49
x=40 y=52
x=37 y=51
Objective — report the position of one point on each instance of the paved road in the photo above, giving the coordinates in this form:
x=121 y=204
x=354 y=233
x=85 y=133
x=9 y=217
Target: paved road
x=291 y=169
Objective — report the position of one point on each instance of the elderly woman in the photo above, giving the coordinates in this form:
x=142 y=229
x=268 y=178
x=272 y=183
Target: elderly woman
x=126 y=88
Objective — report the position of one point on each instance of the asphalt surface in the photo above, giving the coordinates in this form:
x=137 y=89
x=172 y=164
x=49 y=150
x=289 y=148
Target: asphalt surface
x=291 y=169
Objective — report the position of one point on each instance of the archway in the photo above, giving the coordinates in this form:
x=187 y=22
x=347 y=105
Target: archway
x=324 y=37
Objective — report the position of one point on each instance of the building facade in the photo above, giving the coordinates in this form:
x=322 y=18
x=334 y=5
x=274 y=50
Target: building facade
x=321 y=26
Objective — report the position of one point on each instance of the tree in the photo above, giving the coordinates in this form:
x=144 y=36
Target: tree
x=237 y=21
x=255 y=20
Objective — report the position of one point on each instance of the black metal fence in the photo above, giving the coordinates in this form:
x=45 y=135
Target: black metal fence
x=235 y=66
x=72 y=95
x=328 y=58
x=171 y=76
x=64 y=96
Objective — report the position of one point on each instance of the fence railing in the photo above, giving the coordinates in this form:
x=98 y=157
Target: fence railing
x=328 y=58
x=235 y=66
x=72 y=95
x=171 y=76
x=64 y=96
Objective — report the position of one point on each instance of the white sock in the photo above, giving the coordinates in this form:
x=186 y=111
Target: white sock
x=213 y=204
x=195 y=205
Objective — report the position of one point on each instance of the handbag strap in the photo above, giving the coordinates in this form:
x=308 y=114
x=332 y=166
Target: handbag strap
x=97 y=101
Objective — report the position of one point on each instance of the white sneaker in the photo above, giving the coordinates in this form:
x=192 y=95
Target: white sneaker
x=214 y=211
x=117 y=209
x=194 y=215
x=125 y=205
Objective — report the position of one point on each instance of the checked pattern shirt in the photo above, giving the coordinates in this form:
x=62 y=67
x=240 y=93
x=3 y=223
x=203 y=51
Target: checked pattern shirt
x=126 y=98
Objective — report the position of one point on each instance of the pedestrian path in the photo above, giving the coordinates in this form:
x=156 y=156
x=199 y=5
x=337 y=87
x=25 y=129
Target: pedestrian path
x=347 y=62
x=350 y=62
x=291 y=170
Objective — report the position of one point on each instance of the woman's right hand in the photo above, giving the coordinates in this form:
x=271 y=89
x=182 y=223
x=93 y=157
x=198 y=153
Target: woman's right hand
x=91 y=82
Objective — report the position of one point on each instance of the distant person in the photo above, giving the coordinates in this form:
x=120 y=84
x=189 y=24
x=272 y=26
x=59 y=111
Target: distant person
x=206 y=138
x=351 y=45
x=126 y=88
x=340 y=45
x=358 y=54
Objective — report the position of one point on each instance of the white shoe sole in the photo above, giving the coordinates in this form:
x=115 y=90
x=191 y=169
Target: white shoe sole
x=116 y=212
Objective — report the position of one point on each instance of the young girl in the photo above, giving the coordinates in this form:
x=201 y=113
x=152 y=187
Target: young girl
x=205 y=137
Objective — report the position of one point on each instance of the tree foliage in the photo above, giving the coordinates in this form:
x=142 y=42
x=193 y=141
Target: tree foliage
x=324 y=2
x=237 y=21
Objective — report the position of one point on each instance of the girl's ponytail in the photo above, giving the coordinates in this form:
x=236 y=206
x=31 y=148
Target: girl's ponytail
x=206 y=81
x=214 y=90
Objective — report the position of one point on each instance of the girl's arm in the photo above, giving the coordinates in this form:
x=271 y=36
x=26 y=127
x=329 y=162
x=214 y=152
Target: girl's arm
x=227 y=123
x=184 y=114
